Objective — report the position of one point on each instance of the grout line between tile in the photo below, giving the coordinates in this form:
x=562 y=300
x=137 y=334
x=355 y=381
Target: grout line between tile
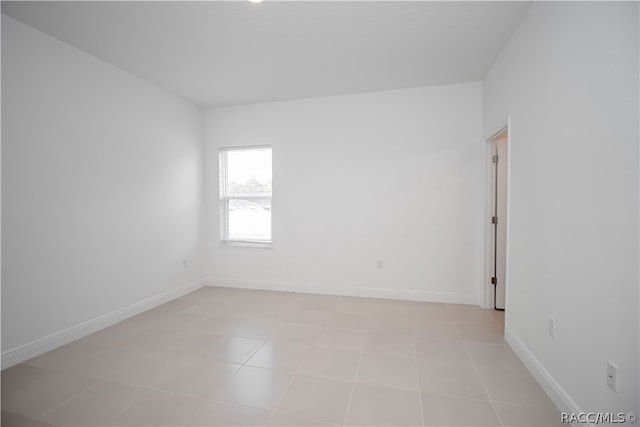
x=453 y=396
x=253 y=353
x=193 y=414
x=129 y=406
x=355 y=378
x=415 y=353
x=284 y=393
x=475 y=368
x=63 y=402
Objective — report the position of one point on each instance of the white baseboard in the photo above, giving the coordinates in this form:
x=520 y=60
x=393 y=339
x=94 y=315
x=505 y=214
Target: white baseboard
x=35 y=348
x=351 y=291
x=558 y=395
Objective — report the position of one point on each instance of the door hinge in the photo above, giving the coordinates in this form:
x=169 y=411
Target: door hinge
x=494 y=220
x=494 y=159
x=494 y=281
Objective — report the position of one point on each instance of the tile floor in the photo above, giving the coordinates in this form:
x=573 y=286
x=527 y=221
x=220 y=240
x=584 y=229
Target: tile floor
x=221 y=356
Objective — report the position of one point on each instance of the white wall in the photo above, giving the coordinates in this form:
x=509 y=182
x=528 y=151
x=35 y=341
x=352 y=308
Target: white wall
x=393 y=175
x=569 y=80
x=101 y=188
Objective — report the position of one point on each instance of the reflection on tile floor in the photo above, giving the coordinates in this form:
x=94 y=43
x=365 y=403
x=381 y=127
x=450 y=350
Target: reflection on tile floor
x=222 y=356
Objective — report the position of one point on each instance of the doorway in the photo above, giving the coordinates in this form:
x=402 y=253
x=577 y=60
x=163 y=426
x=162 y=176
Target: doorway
x=498 y=147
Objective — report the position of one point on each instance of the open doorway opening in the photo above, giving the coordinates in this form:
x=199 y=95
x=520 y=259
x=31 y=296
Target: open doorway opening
x=499 y=219
x=499 y=167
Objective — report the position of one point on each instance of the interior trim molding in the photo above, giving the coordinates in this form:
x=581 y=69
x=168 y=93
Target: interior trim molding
x=558 y=395
x=40 y=346
x=350 y=291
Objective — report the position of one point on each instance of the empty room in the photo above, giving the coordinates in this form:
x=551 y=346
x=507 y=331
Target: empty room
x=331 y=213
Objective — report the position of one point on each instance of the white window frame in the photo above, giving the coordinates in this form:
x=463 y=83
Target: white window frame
x=224 y=203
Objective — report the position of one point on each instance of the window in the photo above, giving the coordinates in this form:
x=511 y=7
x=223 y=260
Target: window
x=245 y=196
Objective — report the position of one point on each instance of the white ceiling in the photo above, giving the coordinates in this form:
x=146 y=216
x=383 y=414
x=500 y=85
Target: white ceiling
x=236 y=52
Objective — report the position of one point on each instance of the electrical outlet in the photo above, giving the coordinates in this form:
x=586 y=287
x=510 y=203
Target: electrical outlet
x=552 y=327
x=612 y=375
x=379 y=264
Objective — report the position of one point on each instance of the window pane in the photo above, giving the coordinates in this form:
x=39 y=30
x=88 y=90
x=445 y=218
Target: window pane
x=249 y=171
x=245 y=194
x=250 y=219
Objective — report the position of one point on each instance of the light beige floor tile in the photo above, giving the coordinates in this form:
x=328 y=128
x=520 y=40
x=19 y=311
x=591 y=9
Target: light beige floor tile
x=442 y=352
x=436 y=313
x=269 y=313
x=390 y=345
x=18 y=376
x=10 y=419
x=218 y=325
x=254 y=311
x=331 y=363
x=41 y=396
x=308 y=317
x=498 y=314
x=427 y=312
x=352 y=305
x=435 y=330
x=452 y=380
x=147 y=319
x=242 y=328
x=185 y=343
x=288 y=299
x=427 y=304
x=117 y=334
x=472 y=315
x=513 y=386
x=296 y=332
x=173 y=306
x=388 y=372
x=210 y=308
x=102 y=365
x=316 y=398
x=280 y=355
x=189 y=343
x=96 y=406
x=494 y=355
x=382 y=406
x=260 y=329
x=320 y=302
x=179 y=321
x=286 y=421
x=219 y=414
x=151 y=339
x=389 y=324
x=147 y=370
x=255 y=387
x=232 y=349
x=343 y=339
x=65 y=356
x=200 y=379
x=516 y=415
x=453 y=411
x=348 y=321
x=391 y=308
x=159 y=408
x=482 y=333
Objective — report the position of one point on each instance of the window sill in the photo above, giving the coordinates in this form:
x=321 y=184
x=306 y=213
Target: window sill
x=241 y=244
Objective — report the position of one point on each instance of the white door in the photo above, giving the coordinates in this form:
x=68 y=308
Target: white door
x=500 y=219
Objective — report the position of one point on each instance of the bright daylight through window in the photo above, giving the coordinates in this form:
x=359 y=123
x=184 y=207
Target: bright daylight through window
x=245 y=195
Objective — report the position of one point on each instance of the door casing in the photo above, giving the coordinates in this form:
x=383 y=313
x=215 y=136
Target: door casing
x=504 y=126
